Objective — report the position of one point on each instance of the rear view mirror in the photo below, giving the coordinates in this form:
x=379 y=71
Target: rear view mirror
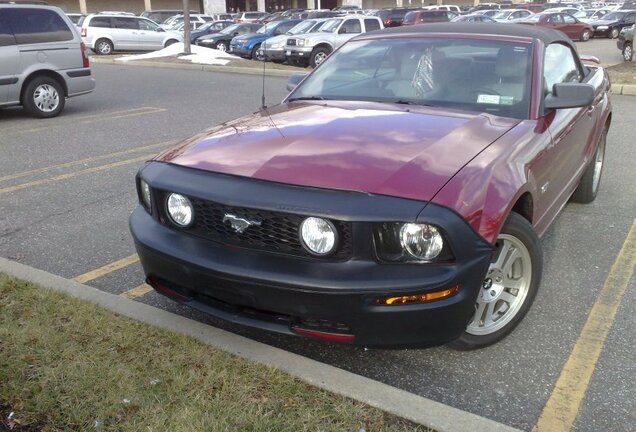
x=570 y=95
x=294 y=80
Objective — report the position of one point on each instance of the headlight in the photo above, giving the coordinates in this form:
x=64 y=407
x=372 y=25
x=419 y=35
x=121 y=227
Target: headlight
x=421 y=241
x=300 y=42
x=241 y=40
x=318 y=235
x=180 y=210
x=146 y=196
x=410 y=242
x=602 y=28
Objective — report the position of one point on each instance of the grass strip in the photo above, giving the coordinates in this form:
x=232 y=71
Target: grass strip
x=622 y=73
x=68 y=365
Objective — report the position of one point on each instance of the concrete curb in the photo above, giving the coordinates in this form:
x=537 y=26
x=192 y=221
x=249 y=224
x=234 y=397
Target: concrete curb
x=199 y=67
x=418 y=409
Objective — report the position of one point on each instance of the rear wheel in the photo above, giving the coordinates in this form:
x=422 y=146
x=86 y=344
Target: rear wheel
x=43 y=97
x=614 y=33
x=221 y=46
x=103 y=47
x=588 y=188
x=628 y=52
x=255 y=55
x=585 y=36
x=509 y=288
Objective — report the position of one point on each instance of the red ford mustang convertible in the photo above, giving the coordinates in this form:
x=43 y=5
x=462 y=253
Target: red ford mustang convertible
x=395 y=197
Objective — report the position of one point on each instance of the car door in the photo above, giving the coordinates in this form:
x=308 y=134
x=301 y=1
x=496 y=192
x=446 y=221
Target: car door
x=348 y=29
x=628 y=19
x=9 y=57
x=555 y=21
x=570 y=128
x=125 y=33
x=149 y=36
x=571 y=26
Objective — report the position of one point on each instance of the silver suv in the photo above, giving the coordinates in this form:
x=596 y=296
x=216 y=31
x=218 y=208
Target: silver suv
x=42 y=59
x=105 y=33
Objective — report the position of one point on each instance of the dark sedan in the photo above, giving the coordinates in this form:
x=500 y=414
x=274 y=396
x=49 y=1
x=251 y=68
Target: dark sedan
x=611 y=24
x=209 y=28
x=564 y=22
x=221 y=40
x=396 y=196
x=625 y=43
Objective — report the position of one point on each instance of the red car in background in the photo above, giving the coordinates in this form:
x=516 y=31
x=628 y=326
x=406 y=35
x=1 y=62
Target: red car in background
x=395 y=197
x=566 y=23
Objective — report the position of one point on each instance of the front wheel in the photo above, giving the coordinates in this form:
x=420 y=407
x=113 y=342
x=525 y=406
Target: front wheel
x=169 y=42
x=221 y=46
x=43 y=97
x=614 y=33
x=318 y=56
x=585 y=36
x=588 y=187
x=509 y=288
x=628 y=52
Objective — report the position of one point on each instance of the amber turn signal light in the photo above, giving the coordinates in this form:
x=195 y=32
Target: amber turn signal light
x=418 y=298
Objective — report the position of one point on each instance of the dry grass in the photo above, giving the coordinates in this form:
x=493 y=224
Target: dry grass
x=623 y=73
x=67 y=365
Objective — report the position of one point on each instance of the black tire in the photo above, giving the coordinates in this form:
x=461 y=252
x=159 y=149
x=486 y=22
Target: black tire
x=104 y=47
x=254 y=55
x=43 y=97
x=170 y=42
x=613 y=33
x=221 y=46
x=518 y=228
x=628 y=52
x=318 y=55
x=588 y=187
x=585 y=36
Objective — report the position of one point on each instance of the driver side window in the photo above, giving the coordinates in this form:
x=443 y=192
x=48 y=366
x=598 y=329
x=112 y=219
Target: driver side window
x=146 y=25
x=559 y=66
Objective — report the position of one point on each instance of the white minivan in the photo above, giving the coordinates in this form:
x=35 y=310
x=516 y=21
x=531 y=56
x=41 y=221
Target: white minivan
x=42 y=59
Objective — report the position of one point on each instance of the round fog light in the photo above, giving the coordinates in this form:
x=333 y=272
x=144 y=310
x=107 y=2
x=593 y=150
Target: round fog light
x=180 y=210
x=421 y=241
x=318 y=235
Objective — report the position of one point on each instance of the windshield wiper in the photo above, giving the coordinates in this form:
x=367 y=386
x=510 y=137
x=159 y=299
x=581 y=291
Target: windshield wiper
x=307 y=98
x=406 y=102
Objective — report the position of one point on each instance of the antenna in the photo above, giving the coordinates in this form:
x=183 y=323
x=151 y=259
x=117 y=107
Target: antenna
x=263 y=106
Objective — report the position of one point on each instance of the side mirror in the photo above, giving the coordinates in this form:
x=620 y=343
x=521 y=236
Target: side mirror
x=294 y=80
x=160 y=30
x=235 y=33
x=570 y=95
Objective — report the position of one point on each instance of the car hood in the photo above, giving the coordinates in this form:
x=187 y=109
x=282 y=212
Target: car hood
x=368 y=147
x=253 y=36
x=278 y=39
x=603 y=22
x=315 y=36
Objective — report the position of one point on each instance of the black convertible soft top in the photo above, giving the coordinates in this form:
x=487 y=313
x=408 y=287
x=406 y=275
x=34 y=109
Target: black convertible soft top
x=546 y=35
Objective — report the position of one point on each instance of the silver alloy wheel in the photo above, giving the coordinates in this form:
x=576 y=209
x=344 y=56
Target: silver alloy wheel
x=505 y=287
x=614 y=33
x=585 y=36
x=221 y=46
x=46 y=98
x=628 y=53
x=103 y=47
x=598 y=164
x=319 y=57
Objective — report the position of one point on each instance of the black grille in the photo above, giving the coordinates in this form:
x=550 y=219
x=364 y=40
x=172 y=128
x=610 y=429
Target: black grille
x=277 y=233
x=291 y=42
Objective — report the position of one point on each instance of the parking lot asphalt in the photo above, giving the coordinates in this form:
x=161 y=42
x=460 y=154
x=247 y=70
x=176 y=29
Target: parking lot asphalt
x=602 y=48
x=67 y=189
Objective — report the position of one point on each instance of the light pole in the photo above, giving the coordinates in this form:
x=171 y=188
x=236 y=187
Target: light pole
x=186 y=27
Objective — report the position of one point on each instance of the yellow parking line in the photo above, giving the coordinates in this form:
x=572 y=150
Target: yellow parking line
x=84 y=161
x=136 y=292
x=88 y=119
x=108 y=268
x=562 y=407
x=73 y=174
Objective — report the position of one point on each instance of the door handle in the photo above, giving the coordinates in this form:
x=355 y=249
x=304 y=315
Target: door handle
x=590 y=110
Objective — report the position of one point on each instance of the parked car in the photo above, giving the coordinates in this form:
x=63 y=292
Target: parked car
x=452 y=8
x=161 y=15
x=567 y=10
x=358 y=211
x=488 y=12
x=590 y=14
x=393 y=17
x=221 y=16
x=107 y=33
x=221 y=40
x=75 y=17
x=195 y=19
x=566 y=23
x=428 y=16
x=249 y=17
x=248 y=45
x=209 y=28
x=42 y=59
x=625 y=43
x=314 y=48
x=508 y=15
x=322 y=14
x=273 y=49
x=611 y=24
x=473 y=18
x=484 y=6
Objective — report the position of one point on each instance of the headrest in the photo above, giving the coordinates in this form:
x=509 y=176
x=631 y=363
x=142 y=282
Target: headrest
x=511 y=62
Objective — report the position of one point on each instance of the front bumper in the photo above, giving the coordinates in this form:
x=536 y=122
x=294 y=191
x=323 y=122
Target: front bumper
x=241 y=50
x=602 y=32
x=273 y=54
x=293 y=294
x=299 y=53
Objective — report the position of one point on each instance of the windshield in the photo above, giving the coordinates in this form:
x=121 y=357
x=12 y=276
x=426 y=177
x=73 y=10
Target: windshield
x=472 y=75
x=533 y=18
x=230 y=29
x=614 y=16
x=503 y=14
x=301 y=27
x=268 y=28
x=330 y=26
